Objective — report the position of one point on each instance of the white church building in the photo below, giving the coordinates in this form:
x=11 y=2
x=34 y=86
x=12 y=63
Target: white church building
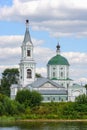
x=57 y=86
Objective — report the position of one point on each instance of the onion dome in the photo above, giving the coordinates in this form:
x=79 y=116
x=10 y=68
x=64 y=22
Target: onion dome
x=58 y=59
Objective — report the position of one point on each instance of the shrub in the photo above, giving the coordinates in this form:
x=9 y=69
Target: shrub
x=82 y=99
x=29 y=98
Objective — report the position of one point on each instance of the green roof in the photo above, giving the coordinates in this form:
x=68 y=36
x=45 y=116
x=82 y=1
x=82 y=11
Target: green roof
x=61 y=79
x=58 y=60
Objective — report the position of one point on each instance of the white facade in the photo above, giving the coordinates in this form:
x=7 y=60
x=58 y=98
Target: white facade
x=59 y=74
x=27 y=63
x=74 y=91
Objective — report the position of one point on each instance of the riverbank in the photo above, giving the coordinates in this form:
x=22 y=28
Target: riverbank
x=13 y=119
x=52 y=120
x=11 y=110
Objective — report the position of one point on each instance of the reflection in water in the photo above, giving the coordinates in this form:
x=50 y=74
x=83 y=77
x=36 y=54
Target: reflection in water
x=44 y=126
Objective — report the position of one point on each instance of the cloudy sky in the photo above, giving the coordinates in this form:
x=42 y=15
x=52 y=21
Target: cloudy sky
x=51 y=21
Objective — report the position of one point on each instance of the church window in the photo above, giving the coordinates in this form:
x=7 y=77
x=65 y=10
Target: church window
x=66 y=98
x=48 y=98
x=59 y=98
x=67 y=74
x=62 y=84
x=21 y=73
x=61 y=74
x=67 y=85
x=62 y=100
x=53 y=98
x=28 y=53
x=29 y=73
x=53 y=74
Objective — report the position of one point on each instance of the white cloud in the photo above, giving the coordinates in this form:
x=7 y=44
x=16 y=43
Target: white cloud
x=16 y=41
x=42 y=71
x=5 y=52
x=76 y=57
x=78 y=66
x=42 y=55
x=59 y=18
x=10 y=41
x=82 y=81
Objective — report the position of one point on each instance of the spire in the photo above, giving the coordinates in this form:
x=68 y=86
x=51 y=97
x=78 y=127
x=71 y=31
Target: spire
x=58 y=49
x=27 y=37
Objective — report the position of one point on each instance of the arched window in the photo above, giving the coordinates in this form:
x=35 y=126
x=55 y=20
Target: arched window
x=28 y=53
x=29 y=73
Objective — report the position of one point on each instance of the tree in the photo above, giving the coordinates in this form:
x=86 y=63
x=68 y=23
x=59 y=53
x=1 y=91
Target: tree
x=9 y=107
x=38 y=75
x=23 y=97
x=9 y=76
x=29 y=98
x=85 y=86
x=36 y=98
x=82 y=99
x=81 y=104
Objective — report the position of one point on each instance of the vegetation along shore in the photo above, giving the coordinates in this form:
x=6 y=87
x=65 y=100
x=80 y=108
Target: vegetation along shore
x=28 y=106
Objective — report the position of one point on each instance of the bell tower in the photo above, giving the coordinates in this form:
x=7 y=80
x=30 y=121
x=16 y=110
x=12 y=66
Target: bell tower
x=27 y=63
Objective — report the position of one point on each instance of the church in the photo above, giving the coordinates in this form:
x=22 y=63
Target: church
x=57 y=86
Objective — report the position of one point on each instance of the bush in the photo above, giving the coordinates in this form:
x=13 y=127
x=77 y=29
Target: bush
x=82 y=99
x=29 y=98
x=35 y=99
x=9 y=107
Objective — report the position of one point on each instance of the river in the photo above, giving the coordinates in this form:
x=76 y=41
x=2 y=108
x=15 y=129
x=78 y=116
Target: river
x=44 y=126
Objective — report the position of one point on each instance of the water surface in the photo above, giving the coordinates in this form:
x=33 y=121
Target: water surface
x=44 y=126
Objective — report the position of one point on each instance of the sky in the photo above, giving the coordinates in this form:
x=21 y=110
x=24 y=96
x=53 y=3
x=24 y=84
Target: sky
x=50 y=22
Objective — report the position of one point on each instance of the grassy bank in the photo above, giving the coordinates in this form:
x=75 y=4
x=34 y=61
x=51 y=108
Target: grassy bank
x=14 y=110
x=50 y=112
x=20 y=119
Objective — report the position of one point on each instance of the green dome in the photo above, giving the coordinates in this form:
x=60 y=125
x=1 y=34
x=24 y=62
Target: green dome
x=58 y=60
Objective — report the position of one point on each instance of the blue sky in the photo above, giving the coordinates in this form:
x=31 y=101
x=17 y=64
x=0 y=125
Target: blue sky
x=5 y=3
x=68 y=43
x=63 y=21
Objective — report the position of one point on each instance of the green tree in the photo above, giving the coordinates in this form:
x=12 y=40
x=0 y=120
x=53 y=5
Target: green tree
x=28 y=98
x=9 y=76
x=38 y=75
x=23 y=97
x=81 y=106
x=85 y=86
x=10 y=107
x=36 y=98
x=82 y=99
